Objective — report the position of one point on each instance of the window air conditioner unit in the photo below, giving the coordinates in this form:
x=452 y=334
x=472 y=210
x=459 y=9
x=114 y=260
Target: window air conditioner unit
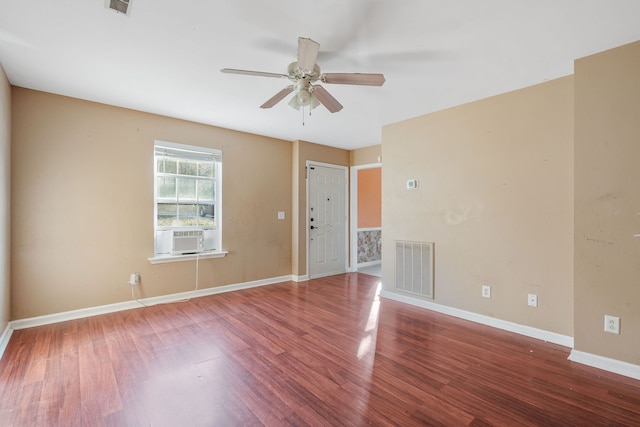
x=187 y=242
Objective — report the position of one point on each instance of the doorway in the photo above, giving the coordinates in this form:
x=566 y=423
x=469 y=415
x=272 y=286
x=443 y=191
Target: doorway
x=366 y=219
x=326 y=219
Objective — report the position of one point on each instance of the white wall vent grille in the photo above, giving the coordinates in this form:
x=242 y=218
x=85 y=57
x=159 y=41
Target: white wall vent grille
x=121 y=6
x=414 y=268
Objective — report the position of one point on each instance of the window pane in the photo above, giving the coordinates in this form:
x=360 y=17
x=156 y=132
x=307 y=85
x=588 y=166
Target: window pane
x=186 y=189
x=167 y=165
x=206 y=169
x=188 y=212
x=188 y=167
x=206 y=190
x=187 y=215
x=166 y=187
x=167 y=214
x=206 y=221
x=206 y=210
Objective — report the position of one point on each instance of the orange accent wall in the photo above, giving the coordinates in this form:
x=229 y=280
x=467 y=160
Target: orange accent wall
x=369 y=198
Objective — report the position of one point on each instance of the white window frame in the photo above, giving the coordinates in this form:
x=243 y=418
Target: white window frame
x=216 y=229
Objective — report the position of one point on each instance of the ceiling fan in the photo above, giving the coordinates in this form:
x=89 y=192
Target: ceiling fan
x=304 y=74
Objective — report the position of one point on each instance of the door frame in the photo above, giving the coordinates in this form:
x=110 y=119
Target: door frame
x=353 y=213
x=345 y=169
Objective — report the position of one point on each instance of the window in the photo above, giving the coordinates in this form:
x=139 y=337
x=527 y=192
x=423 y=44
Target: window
x=187 y=199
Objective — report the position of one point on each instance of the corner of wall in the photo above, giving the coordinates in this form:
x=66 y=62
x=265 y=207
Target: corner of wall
x=5 y=199
x=607 y=105
x=295 y=212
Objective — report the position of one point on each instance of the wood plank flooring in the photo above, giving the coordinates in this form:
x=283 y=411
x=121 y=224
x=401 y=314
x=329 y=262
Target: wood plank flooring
x=327 y=352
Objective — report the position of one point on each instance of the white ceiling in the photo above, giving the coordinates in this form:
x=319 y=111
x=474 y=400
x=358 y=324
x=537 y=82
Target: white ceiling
x=165 y=56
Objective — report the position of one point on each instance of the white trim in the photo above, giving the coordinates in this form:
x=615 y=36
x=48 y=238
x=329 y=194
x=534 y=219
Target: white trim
x=612 y=365
x=185 y=147
x=528 y=331
x=4 y=339
x=159 y=259
x=345 y=170
x=331 y=273
x=369 y=263
x=369 y=229
x=128 y=305
x=304 y=278
x=353 y=213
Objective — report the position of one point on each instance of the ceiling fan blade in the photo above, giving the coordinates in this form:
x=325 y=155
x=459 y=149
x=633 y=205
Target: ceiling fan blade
x=326 y=99
x=307 y=53
x=252 y=73
x=277 y=97
x=353 y=79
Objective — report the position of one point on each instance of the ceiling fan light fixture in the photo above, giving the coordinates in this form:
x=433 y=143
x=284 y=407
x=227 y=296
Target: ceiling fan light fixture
x=303 y=99
x=293 y=103
x=314 y=102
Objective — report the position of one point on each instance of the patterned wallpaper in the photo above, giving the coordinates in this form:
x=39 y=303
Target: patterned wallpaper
x=369 y=246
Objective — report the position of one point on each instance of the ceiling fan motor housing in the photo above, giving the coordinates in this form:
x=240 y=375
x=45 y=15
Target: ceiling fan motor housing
x=303 y=83
x=295 y=72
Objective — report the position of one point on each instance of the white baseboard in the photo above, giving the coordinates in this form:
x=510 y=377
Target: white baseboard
x=4 y=339
x=612 y=365
x=528 y=331
x=368 y=264
x=121 y=306
x=304 y=278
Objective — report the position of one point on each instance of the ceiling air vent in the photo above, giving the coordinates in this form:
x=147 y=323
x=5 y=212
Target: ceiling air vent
x=121 y=6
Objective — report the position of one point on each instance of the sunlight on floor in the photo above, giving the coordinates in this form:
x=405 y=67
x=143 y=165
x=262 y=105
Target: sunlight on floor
x=367 y=344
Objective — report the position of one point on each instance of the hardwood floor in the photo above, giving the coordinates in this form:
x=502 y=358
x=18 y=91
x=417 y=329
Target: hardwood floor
x=323 y=352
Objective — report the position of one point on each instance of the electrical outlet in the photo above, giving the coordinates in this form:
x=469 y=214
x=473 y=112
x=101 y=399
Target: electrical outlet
x=532 y=300
x=612 y=324
x=134 y=279
x=486 y=291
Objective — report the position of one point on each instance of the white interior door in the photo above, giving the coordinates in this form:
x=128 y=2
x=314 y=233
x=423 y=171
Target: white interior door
x=327 y=219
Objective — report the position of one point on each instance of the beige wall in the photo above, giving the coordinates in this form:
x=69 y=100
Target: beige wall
x=82 y=205
x=303 y=152
x=495 y=194
x=366 y=155
x=5 y=199
x=607 y=202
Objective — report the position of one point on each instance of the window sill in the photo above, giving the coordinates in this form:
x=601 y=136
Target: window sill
x=159 y=259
